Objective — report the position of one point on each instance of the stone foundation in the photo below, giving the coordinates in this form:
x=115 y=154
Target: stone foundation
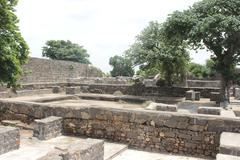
x=9 y=139
x=186 y=134
x=47 y=128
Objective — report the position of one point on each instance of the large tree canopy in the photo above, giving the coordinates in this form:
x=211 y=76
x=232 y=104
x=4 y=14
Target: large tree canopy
x=150 y=52
x=121 y=66
x=65 y=50
x=214 y=25
x=13 y=49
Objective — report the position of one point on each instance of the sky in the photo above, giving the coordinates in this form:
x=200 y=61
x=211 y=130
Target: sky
x=104 y=27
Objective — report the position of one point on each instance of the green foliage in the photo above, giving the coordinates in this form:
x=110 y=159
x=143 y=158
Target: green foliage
x=121 y=66
x=199 y=71
x=65 y=50
x=13 y=49
x=153 y=55
x=210 y=24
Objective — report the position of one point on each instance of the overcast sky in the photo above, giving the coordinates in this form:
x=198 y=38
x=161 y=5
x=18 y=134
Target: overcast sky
x=104 y=27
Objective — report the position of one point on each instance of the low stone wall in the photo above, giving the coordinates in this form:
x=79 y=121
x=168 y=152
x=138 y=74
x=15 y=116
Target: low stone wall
x=101 y=80
x=204 y=83
x=141 y=90
x=195 y=135
x=127 y=89
x=9 y=94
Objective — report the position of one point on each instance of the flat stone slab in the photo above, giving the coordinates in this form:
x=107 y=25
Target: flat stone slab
x=9 y=139
x=131 y=154
x=228 y=113
x=230 y=143
x=226 y=157
x=112 y=150
x=162 y=107
x=88 y=149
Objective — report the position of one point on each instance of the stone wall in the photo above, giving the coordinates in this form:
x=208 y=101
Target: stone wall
x=44 y=70
x=141 y=90
x=101 y=80
x=195 y=135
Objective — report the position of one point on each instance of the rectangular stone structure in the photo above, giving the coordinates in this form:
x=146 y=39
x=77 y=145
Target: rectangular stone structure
x=193 y=96
x=48 y=128
x=190 y=95
x=72 y=90
x=209 y=110
x=197 y=96
x=9 y=139
x=85 y=149
x=215 y=96
x=237 y=93
x=56 y=89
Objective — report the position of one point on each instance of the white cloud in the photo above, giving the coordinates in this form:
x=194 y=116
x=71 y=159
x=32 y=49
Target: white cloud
x=103 y=27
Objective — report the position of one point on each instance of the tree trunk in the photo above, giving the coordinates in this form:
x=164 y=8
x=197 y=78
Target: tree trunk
x=224 y=90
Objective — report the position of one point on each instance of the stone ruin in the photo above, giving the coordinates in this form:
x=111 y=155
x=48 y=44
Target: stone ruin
x=174 y=120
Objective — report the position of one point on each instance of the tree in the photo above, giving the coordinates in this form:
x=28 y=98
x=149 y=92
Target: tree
x=207 y=70
x=150 y=52
x=13 y=49
x=65 y=50
x=214 y=25
x=197 y=70
x=121 y=66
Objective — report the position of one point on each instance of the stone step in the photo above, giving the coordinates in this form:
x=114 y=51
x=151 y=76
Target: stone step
x=111 y=150
x=230 y=143
x=226 y=157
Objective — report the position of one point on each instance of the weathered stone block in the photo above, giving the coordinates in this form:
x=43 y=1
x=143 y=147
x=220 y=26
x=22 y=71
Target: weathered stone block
x=72 y=90
x=162 y=107
x=56 y=89
x=215 y=96
x=9 y=139
x=197 y=96
x=190 y=95
x=237 y=93
x=209 y=110
x=48 y=128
